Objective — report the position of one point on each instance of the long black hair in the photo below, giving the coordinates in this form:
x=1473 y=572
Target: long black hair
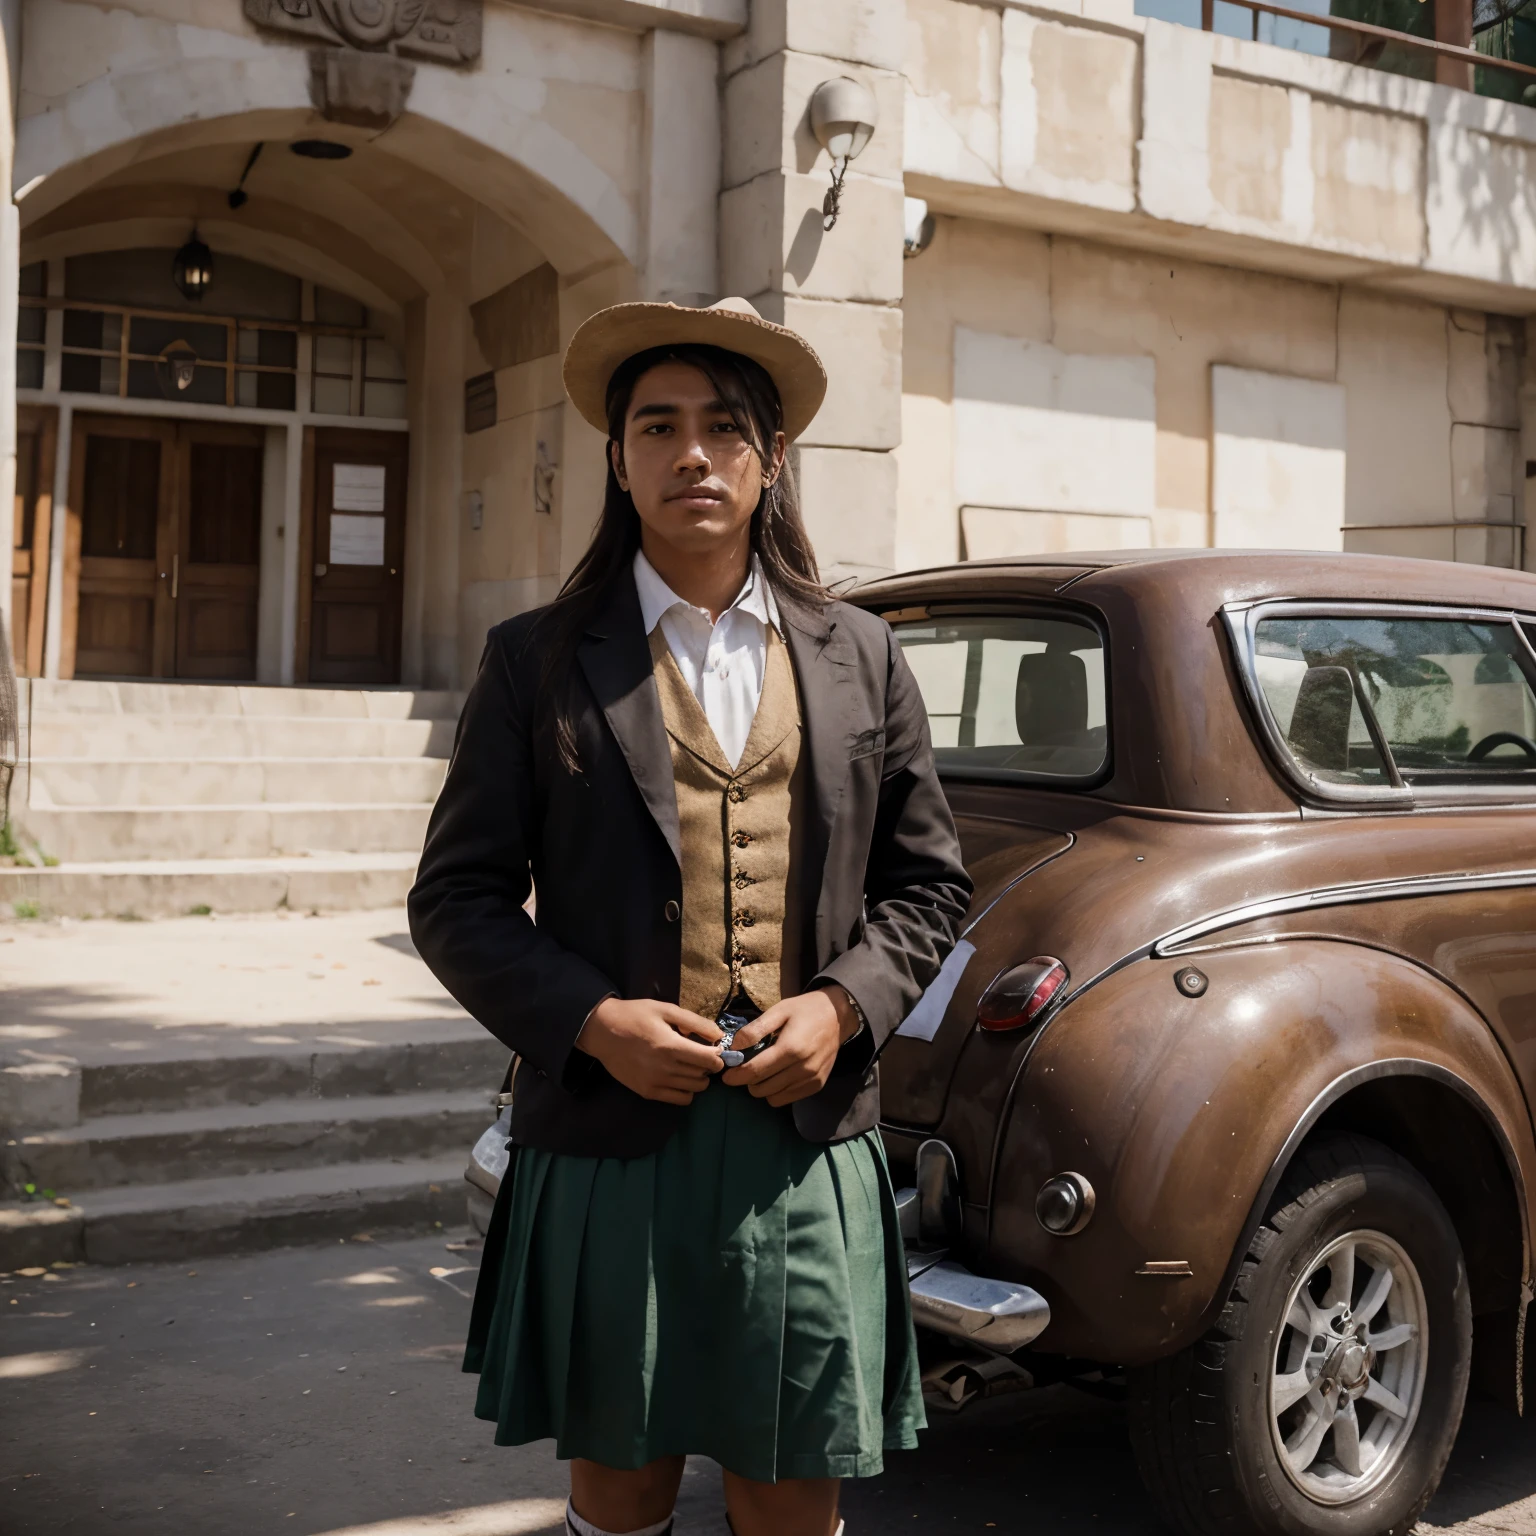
x=779 y=539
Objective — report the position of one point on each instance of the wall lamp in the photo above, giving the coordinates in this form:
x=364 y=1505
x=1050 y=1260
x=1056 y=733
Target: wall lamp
x=192 y=268
x=843 y=117
x=918 y=226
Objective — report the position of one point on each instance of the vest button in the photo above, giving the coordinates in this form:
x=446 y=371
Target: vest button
x=744 y=919
x=671 y=911
x=736 y=793
x=741 y=839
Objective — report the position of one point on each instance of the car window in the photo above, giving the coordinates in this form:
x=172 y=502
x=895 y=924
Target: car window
x=1449 y=701
x=1011 y=695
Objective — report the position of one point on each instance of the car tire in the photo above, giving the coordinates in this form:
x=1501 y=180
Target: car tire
x=1223 y=1442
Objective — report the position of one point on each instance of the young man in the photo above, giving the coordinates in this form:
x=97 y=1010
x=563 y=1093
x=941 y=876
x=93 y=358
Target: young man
x=720 y=782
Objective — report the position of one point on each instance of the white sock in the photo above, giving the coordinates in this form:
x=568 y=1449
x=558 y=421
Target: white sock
x=579 y=1527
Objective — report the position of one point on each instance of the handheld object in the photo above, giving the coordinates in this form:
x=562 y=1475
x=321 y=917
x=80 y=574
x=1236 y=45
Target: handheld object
x=729 y=1023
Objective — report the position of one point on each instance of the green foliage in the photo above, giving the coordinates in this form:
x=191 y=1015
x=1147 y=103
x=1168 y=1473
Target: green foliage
x=202 y=909
x=11 y=848
x=26 y=909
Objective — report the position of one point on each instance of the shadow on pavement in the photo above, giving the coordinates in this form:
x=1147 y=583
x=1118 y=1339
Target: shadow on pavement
x=317 y=1392
x=1493 y=1466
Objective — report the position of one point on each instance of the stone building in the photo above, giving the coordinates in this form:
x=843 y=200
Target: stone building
x=1099 y=279
x=288 y=283
x=1176 y=288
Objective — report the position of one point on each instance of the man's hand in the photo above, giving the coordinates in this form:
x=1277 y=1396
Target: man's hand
x=810 y=1030
x=645 y=1044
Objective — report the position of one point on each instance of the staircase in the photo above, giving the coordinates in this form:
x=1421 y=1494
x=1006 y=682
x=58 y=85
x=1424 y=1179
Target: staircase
x=177 y=1154
x=159 y=799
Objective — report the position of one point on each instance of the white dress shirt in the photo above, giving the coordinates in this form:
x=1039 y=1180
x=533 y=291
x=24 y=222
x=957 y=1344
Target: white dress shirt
x=722 y=660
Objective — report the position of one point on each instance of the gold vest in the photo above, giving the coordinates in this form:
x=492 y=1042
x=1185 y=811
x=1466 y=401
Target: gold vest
x=740 y=835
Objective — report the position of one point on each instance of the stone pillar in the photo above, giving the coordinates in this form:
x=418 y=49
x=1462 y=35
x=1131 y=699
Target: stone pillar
x=1486 y=357
x=1453 y=24
x=10 y=277
x=680 y=169
x=1526 y=503
x=435 y=329
x=582 y=473
x=841 y=288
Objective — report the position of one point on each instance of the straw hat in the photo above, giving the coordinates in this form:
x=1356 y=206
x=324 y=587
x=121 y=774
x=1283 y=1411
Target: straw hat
x=605 y=340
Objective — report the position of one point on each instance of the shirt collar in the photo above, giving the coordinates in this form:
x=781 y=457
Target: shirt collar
x=658 y=599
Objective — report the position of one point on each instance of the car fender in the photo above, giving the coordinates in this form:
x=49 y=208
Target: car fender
x=1183 y=1112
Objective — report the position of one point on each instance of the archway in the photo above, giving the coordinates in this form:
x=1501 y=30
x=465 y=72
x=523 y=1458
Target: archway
x=420 y=228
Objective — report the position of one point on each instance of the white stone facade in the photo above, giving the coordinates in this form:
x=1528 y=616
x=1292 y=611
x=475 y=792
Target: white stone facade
x=1181 y=289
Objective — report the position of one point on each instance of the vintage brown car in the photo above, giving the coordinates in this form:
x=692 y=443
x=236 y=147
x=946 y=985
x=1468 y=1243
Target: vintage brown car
x=1226 y=1090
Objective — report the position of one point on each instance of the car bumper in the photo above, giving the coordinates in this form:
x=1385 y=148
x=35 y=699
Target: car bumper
x=997 y=1315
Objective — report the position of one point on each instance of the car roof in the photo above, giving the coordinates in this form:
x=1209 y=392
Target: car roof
x=1181 y=736
x=1233 y=575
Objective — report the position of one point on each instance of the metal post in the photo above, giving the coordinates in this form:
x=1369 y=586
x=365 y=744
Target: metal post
x=10 y=281
x=1453 y=24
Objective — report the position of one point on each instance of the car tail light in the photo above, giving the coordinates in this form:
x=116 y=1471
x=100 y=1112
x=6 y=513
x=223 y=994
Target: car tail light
x=1023 y=995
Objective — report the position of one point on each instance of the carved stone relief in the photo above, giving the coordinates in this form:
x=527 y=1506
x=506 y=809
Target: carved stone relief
x=444 y=31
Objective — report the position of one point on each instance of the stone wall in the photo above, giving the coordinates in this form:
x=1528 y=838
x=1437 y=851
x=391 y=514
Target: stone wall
x=1342 y=405
x=840 y=288
x=1079 y=116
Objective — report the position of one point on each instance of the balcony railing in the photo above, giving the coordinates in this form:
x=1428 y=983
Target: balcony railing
x=1486 y=46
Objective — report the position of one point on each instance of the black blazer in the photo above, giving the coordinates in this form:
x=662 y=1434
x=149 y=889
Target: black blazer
x=884 y=891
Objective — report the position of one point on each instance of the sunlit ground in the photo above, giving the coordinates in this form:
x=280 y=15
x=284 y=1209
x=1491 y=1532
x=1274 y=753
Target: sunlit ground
x=317 y=1392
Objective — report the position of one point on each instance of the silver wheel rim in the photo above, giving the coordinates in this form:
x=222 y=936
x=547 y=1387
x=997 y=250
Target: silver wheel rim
x=1348 y=1370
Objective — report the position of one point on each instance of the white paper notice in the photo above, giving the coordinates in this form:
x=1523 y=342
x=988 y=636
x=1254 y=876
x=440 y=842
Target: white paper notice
x=924 y=1020
x=357 y=488
x=356 y=540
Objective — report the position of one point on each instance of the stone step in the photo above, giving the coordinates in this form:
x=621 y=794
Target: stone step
x=88 y=697
x=155 y=737
x=146 y=888
x=102 y=834
x=201 y=1217
x=432 y=1055
x=113 y=1151
x=67 y=782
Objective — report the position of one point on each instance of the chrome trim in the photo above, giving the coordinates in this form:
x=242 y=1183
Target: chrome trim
x=920 y=1261
x=1242 y=620
x=478 y=1178
x=995 y=1314
x=939 y=1217
x=1338 y=896
x=1087 y=1200
x=1170 y=943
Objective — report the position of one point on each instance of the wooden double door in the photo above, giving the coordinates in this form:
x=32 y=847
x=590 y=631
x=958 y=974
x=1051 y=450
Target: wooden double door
x=168 y=521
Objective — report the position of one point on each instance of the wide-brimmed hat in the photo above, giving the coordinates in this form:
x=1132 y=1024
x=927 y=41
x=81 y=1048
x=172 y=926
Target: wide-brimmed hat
x=612 y=335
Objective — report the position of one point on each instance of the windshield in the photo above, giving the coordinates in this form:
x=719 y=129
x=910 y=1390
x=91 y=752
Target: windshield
x=1448 y=700
x=1012 y=696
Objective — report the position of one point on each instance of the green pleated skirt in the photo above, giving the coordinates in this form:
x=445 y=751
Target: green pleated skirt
x=740 y=1294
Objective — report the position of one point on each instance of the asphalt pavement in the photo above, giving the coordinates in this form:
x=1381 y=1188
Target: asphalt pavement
x=317 y=1392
